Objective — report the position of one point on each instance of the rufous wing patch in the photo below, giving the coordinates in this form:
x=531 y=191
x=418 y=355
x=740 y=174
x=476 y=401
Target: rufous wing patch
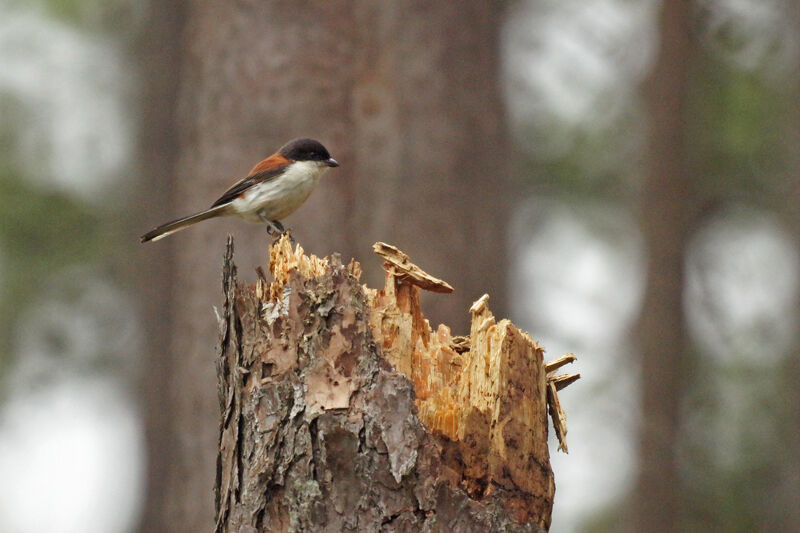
x=275 y=160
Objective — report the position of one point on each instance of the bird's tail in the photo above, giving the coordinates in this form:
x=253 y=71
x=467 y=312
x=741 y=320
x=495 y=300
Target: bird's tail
x=176 y=225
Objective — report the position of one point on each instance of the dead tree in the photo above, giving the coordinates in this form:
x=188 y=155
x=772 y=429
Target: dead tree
x=343 y=411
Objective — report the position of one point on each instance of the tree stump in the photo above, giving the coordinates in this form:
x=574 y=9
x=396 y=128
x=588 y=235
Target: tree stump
x=343 y=411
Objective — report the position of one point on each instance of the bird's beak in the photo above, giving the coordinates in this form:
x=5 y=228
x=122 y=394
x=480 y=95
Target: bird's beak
x=331 y=162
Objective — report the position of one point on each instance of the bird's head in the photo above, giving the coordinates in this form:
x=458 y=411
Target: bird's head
x=307 y=150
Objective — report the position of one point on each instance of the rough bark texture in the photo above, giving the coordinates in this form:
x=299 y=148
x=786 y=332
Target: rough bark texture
x=667 y=204
x=322 y=429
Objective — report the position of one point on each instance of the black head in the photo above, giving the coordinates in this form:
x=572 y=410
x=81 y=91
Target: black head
x=307 y=150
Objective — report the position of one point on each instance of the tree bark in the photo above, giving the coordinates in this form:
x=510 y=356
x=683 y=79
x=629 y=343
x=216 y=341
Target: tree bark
x=667 y=205
x=158 y=59
x=343 y=411
x=404 y=94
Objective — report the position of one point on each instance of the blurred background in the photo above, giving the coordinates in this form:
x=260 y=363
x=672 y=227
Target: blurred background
x=622 y=177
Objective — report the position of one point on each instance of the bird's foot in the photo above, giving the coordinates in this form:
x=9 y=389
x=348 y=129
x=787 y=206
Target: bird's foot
x=274 y=227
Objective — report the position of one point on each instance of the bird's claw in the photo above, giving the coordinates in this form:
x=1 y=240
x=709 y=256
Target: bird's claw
x=274 y=227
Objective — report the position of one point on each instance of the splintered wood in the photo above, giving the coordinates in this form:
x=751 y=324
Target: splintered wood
x=489 y=394
x=284 y=260
x=496 y=372
x=342 y=410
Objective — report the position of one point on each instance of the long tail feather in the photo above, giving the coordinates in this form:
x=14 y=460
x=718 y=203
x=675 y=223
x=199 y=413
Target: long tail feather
x=176 y=225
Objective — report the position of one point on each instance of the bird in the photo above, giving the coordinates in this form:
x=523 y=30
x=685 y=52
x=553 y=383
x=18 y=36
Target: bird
x=272 y=190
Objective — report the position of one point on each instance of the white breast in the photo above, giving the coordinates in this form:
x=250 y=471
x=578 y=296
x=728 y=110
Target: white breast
x=280 y=197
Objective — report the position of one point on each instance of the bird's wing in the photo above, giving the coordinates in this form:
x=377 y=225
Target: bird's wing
x=261 y=176
x=275 y=160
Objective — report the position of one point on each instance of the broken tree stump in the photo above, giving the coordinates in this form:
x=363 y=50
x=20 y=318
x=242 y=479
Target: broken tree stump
x=343 y=411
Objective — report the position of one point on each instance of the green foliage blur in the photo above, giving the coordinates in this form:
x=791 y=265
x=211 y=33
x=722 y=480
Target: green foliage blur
x=737 y=132
x=42 y=230
x=82 y=14
x=741 y=134
x=41 y=233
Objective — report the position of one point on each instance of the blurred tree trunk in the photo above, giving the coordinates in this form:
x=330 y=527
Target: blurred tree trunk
x=667 y=203
x=157 y=54
x=406 y=98
x=428 y=144
x=785 y=511
x=787 y=515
